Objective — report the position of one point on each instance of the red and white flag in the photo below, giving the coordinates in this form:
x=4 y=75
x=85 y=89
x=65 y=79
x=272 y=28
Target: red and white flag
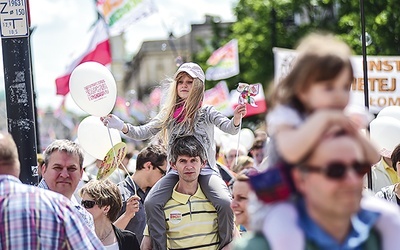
x=95 y=48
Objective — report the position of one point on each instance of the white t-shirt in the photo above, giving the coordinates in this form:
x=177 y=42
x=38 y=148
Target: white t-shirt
x=283 y=114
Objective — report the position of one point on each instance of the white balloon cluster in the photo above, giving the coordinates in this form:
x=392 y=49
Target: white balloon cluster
x=93 y=89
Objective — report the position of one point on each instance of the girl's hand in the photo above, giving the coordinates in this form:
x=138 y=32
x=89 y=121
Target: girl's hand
x=113 y=121
x=239 y=112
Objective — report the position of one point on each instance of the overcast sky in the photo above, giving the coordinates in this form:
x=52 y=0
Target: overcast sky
x=61 y=24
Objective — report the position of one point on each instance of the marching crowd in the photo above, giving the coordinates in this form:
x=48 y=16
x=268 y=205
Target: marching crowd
x=302 y=185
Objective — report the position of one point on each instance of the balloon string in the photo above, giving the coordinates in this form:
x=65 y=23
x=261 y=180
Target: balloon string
x=115 y=156
x=238 y=143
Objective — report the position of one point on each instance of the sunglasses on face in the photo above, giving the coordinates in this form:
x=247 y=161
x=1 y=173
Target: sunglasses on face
x=338 y=170
x=88 y=203
x=163 y=172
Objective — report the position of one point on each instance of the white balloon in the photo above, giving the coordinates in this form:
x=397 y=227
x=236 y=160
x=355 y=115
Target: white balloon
x=391 y=111
x=87 y=158
x=94 y=138
x=93 y=88
x=247 y=138
x=385 y=132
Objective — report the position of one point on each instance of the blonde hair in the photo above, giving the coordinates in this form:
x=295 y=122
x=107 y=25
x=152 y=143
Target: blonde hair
x=321 y=58
x=190 y=106
x=242 y=162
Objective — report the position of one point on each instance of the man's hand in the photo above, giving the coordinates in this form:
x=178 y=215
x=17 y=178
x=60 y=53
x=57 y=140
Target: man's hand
x=132 y=206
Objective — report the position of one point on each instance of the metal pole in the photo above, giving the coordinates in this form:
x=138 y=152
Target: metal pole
x=18 y=84
x=365 y=70
x=38 y=145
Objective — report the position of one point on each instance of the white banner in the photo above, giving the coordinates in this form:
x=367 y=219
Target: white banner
x=383 y=75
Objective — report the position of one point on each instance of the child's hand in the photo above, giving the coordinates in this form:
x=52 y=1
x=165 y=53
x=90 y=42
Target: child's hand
x=336 y=120
x=239 y=112
x=112 y=121
x=359 y=115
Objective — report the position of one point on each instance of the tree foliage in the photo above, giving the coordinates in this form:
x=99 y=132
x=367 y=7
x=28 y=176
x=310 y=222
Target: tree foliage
x=264 y=24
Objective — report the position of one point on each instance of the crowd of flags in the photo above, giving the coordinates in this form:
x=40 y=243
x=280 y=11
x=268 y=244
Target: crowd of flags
x=116 y=17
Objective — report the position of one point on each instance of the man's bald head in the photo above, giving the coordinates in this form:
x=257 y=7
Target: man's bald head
x=9 y=162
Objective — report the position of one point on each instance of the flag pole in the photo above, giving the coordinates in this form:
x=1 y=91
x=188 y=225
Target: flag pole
x=365 y=71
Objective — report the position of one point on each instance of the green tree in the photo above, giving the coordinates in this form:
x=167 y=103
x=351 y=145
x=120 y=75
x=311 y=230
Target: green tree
x=264 y=24
x=381 y=23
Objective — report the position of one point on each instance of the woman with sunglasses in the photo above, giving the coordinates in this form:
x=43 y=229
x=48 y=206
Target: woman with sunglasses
x=103 y=200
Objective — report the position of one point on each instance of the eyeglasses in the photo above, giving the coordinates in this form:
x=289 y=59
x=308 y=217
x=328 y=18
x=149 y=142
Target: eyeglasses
x=338 y=170
x=163 y=172
x=88 y=204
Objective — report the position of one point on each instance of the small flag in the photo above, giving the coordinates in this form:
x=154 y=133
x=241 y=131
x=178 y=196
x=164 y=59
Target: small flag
x=96 y=48
x=219 y=98
x=224 y=62
x=119 y=15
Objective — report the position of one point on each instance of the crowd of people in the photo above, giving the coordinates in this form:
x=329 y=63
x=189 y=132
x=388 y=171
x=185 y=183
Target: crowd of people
x=301 y=185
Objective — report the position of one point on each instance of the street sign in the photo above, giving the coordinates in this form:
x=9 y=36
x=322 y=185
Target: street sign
x=13 y=19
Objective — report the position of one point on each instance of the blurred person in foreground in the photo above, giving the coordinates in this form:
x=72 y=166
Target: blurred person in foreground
x=333 y=212
x=35 y=218
x=306 y=106
x=103 y=200
x=151 y=166
x=62 y=171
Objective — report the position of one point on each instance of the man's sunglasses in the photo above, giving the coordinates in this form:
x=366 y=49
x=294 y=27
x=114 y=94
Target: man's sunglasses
x=163 y=172
x=338 y=170
x=88 y=203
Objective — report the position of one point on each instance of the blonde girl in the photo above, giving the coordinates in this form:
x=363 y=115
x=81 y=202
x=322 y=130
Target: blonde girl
x=184 y=114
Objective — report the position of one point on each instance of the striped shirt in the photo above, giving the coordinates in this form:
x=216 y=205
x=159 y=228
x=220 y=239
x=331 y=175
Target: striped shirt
x=86 y=216
x=191 y=222
x=35 y=218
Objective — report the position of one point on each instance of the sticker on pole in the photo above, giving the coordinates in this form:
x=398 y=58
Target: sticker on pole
x=13 y=18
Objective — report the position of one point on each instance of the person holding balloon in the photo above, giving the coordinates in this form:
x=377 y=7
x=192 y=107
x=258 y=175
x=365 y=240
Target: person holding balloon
x=183 y=114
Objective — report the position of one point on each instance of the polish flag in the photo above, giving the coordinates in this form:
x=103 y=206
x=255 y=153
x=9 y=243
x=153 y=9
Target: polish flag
x=95 y=48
